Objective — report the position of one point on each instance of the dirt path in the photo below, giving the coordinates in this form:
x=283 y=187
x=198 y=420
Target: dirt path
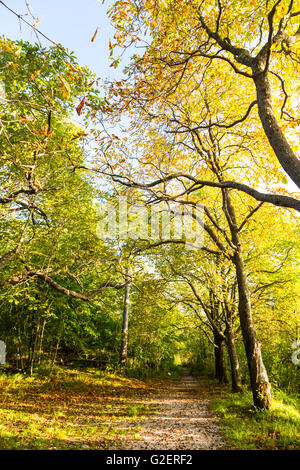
x=183 y=420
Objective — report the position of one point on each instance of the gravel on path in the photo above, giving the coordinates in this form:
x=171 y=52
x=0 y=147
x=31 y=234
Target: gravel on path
x=183 y=420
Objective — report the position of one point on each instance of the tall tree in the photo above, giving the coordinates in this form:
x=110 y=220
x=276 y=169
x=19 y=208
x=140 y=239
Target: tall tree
x=226 y=238
x=253 y=45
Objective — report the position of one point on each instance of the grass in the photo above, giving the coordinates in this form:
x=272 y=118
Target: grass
x=88 y=409
x=71 y=410
x=246 y=428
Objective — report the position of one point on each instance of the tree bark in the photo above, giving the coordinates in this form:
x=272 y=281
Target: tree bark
x=278 y=142
x=259 y=381
x=41 y=341
x=20 y=349
x=219 y=349
x=236 y=378
x=33 y=349
x=258 y=375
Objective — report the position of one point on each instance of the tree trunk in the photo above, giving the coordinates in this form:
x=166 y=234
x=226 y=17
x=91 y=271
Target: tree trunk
x=258 y=376
x=204 y=355
x=236 y=379
x=59 y=336
x=20 y=349
x=259 y=381
x=41 y=341
x=55 y=354
x=219 y=349
x=285 y=155
x=33 y=348
x=124 y=341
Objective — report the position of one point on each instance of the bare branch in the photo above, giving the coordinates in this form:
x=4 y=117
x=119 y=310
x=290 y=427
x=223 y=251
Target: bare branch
x=275 y=199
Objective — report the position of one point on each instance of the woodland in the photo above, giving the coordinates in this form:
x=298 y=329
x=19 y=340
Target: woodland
x=206 y=115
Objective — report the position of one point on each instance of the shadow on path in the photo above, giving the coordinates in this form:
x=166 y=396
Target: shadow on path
x=183 y=420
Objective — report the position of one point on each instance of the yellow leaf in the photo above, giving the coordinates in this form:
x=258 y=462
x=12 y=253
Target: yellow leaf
x=71 y=67
x=18 y=51
x=65 y=87
x=36 y=23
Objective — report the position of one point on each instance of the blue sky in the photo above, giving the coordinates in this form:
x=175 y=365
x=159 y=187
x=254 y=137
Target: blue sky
x=69 y=22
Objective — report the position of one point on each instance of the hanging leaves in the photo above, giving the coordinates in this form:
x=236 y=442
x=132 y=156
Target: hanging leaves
x=65 y=87
x=17 y=52
x=80 y=134
x=80 y=106
x=36 y=23
x=71 y=67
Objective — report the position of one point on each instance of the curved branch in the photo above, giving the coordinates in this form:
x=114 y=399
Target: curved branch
x=51 y=282
x=275 y=199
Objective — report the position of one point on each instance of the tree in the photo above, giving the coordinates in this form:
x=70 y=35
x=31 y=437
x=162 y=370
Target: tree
x=40 y=146
x=225 y=243
x=216 y=160
x=171 y=87
x=187 y=41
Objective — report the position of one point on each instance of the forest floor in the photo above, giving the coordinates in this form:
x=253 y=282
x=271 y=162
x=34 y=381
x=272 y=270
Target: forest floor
x=86 y=409
x=94 y=410
x=183 y=420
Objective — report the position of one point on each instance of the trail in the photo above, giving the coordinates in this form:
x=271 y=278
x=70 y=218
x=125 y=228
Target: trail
x=183 y=420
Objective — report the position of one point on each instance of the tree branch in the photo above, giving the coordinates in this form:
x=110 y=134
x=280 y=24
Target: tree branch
x=51 y=282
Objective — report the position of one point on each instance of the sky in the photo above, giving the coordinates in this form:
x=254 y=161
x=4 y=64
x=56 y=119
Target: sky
x=69 y=22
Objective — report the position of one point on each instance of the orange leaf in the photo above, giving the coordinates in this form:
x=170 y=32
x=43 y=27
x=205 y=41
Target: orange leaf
x=32 y=77
x=94 y=36
x=80 y=106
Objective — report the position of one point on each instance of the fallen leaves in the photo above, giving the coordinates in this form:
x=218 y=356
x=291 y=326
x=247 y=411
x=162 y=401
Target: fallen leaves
x=80 y=410
x=74 y=411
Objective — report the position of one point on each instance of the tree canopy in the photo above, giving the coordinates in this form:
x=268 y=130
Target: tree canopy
x=204 y=116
